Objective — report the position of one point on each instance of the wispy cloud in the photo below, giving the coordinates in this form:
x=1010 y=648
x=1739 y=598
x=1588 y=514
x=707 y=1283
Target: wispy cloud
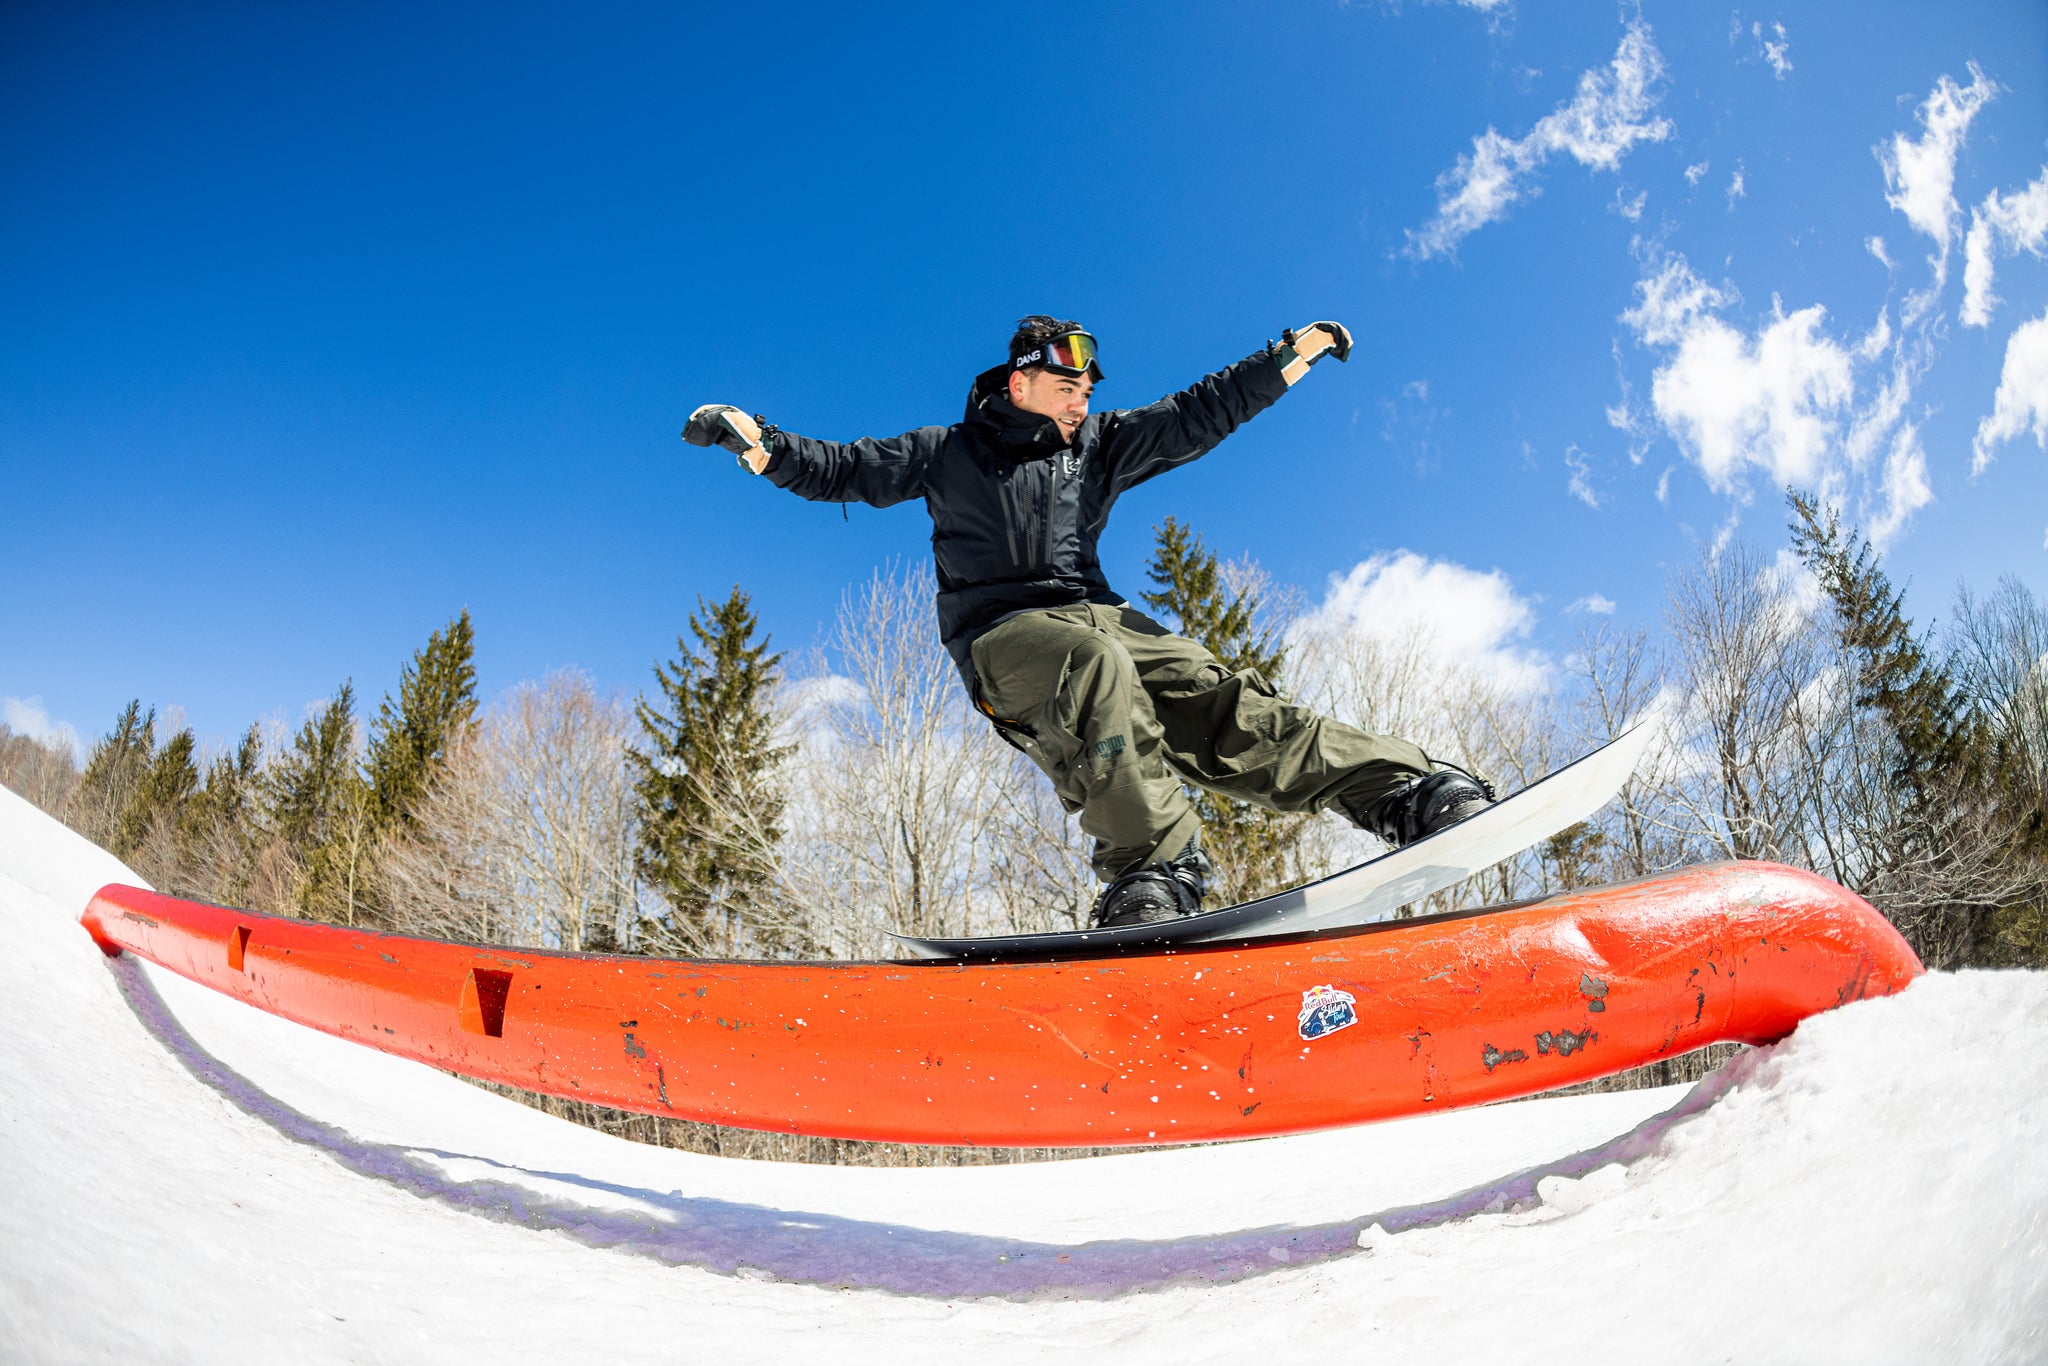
x=1774 y=47
x=1408 y=423
x=1597 y=604
x=1738 y=185
x=2022 y=401
x=1580 y=485
x=1612 y=110
x=2002 y=223
x=1788 y=398
x=1920 y=173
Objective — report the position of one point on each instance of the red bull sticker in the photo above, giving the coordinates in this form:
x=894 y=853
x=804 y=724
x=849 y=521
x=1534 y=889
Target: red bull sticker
x=1325 y=1010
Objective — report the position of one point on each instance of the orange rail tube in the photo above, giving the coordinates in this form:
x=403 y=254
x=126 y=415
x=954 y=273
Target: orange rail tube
x=1210 y=1042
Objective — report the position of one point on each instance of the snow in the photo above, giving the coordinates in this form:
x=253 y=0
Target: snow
x=183 y=1178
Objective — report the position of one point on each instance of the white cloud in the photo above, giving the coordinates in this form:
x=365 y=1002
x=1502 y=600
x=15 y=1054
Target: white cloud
x=1598 y=604
x=1630 y=208
x=1459 y=618
x=1737 y=187
x=2012 y=223
x=1580 y=486
x=1694 y=172
x=2022 y=401
x=1781 y=401
x=26 y=716
x=1905 y=486
x=1669 y=301
x=1920 y=174
x=1786 y=398
x=1734 y=402
x=1772 y=51
x=1611 y=111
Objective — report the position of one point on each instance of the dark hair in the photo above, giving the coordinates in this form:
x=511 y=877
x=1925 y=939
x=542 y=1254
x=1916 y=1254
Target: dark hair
x=1038 y=329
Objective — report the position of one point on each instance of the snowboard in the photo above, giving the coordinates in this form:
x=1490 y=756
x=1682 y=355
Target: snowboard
x=1371 y=891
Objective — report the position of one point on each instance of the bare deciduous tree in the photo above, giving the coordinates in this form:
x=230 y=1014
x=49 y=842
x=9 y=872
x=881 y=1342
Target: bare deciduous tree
x=526 y=837
x=44 y=773
x=907 y=811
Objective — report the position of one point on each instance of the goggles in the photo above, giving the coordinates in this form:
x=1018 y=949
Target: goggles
x=1071 y=353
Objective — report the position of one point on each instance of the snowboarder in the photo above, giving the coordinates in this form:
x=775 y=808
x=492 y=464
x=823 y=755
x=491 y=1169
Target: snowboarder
x=1115 y=709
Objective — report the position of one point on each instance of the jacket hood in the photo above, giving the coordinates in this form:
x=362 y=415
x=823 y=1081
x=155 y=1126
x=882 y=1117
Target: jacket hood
x=1015 y=434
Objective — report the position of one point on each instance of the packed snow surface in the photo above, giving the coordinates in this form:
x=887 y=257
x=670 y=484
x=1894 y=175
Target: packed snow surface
x=183 y=1178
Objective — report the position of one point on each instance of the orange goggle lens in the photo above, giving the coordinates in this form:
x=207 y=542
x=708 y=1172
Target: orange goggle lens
x=1073 y=353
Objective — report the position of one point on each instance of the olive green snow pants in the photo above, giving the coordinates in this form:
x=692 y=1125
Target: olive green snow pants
x=1117 y=710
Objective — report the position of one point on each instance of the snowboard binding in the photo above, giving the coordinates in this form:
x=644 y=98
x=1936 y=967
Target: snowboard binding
x=1157 y=893
x=1432 y=802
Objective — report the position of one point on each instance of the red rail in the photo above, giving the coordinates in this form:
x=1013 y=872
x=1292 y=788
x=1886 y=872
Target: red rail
x=1199 y=1043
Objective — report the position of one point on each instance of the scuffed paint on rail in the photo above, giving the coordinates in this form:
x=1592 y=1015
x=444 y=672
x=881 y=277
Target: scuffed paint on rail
x=1202 y=1042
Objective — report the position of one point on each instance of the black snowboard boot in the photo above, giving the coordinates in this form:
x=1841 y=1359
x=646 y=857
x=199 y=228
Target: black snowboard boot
x=1165 y=891
x=1428 y=804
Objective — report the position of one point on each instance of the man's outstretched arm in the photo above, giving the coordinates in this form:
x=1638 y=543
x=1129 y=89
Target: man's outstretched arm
x=878 y=473
x=1142 y=442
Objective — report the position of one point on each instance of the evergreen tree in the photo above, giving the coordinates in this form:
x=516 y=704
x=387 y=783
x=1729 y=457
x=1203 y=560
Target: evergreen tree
x=159 y=796
x=710 y=809
x=1223 y=621
x=1896 y=676
x=113 y=771
x=1249 y=845
x=1965 y=820
x=219 y=828
x=312 y=797
x=228 y=793
x=436 y=700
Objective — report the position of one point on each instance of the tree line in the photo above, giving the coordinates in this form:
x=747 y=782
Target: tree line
x=749 y=805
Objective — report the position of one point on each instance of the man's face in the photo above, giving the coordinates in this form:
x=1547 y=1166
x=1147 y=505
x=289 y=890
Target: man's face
x=1063 y=398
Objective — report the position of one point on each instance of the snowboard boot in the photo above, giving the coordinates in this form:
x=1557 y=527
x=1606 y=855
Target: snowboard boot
x=1165 y=891
x=1428 y=804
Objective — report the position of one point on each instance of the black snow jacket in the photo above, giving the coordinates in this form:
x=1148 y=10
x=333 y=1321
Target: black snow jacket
x=1016 y=511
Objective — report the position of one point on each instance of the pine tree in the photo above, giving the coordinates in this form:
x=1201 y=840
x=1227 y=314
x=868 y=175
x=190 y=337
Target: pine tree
x=1249 y=845
x=159 y=796
x=113 y=771
x=710 y=809
x=1915 y=695
x=1223 y=621
x=228 y=794
x=1962 y=820
x=218 y=830
x=436 y=701
x=311 y=797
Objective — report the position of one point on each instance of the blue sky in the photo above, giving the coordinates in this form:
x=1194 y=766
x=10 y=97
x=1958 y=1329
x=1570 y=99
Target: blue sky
x=325 y=322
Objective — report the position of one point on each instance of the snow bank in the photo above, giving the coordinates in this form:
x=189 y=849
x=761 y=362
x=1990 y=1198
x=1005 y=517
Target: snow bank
x=188 y=1179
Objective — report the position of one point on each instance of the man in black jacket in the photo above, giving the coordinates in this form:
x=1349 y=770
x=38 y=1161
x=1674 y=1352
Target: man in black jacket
x=1112 y=707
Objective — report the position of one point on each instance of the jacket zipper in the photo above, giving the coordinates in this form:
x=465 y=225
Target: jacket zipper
x=1009 y=503
x=1050 y=486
